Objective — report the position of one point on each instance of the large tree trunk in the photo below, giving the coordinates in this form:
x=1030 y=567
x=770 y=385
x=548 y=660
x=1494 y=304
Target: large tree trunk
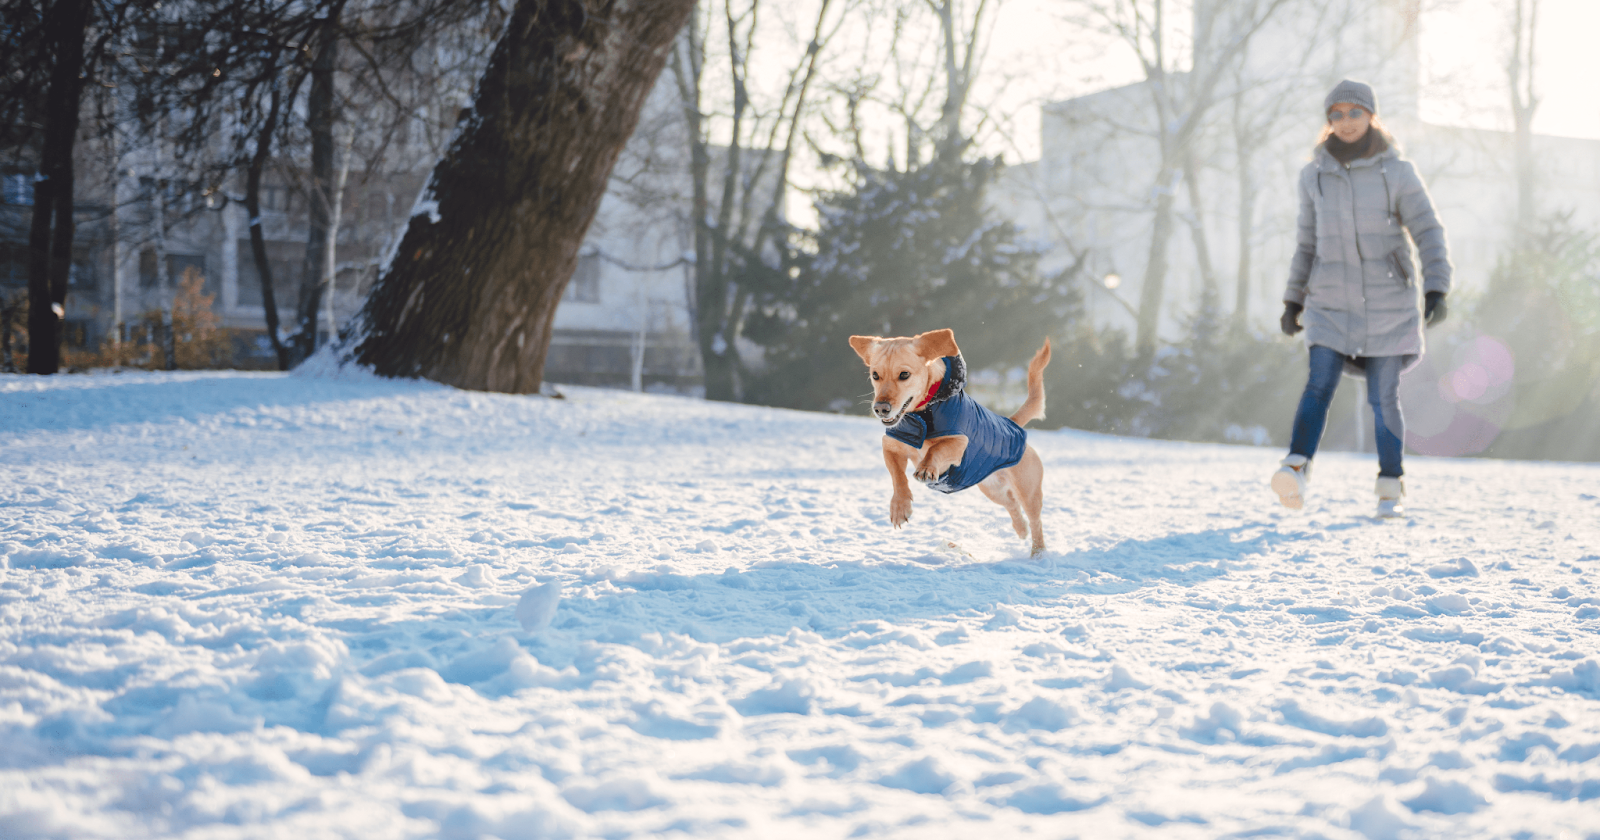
x=50 y=237
x=471 y=294
x=320 y=116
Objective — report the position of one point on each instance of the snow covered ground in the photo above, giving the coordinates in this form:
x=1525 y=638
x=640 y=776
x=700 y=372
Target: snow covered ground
x=251 y=605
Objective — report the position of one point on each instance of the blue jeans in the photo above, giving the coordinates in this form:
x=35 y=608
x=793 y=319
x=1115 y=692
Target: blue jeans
x=1383 y=392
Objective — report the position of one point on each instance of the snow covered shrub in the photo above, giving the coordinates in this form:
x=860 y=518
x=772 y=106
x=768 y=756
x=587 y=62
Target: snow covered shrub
x=1219 y=378
x=1543 y=304
x=1093 y=381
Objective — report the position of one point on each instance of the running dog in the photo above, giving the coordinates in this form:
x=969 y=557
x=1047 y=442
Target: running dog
x=919 y=394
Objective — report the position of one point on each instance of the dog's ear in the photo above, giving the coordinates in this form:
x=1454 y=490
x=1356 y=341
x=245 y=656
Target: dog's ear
x=936 y=344
x=862 y=344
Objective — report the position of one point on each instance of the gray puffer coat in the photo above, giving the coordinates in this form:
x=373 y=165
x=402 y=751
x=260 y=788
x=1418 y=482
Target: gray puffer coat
x=1353 y=269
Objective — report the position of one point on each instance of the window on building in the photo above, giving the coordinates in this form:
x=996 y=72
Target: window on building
x=284 y=260
x=584 y=287
x=17 y=188
x=275 y=199
x=177 y=264
x=149 y=277
x=13 y=264
x=82 y=275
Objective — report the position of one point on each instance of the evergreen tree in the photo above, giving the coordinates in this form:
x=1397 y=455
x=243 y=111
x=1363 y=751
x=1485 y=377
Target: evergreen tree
x=901 y=252
x=1094 y=381
x=1220 y=383
x=1543 y=302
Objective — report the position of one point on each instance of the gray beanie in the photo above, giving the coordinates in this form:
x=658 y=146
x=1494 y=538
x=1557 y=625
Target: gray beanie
x=1353 y=92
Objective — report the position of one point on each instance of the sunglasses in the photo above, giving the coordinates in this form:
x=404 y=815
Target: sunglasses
x=1353 y=113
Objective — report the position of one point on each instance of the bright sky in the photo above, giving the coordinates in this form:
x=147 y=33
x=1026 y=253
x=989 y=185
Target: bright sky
x=1464 y=46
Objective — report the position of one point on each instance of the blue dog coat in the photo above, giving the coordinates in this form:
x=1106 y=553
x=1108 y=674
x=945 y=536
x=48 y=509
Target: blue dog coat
x=993 y=442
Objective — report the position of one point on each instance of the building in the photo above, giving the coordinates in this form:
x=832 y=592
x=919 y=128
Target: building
x=623 y=321
x=1093 y=191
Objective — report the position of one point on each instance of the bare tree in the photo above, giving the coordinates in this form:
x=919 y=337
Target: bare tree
x=1524 y=102
x=321 y=114
x=55 y=48
x=961 y=51
x=254 y=171
x=1261 y=105
x=50 y=239
x=206 y=85
x=749 y=175
x=1180 y=103
x=470 y=296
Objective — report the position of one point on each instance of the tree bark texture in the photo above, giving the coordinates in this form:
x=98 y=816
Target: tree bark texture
x=470 y=296
x=50 y=236
x=320 y=115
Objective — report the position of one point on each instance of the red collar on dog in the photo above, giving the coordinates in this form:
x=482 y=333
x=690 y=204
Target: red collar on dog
x=934 y=389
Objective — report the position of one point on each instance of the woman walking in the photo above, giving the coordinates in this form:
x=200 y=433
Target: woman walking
x=1352 y=284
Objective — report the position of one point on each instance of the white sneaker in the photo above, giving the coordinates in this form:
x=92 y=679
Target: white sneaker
x=1289 y=482
x=1390 y=491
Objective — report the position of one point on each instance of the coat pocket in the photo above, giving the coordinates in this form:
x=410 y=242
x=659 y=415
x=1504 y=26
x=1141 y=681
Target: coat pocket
x=1400 y=261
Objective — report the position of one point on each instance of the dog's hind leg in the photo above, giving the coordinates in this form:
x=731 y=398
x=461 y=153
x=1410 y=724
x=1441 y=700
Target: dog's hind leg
x=1034 y=504
x=1021 y=489
x=1030 y=486
x=1001 y=492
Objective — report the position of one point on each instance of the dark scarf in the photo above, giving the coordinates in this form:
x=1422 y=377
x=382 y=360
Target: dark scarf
x=1372 y=143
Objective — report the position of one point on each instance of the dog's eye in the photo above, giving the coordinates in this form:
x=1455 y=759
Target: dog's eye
x=905 y=374
x=875 y=376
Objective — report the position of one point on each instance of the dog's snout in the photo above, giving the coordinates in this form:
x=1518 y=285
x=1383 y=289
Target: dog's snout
x=882 y=408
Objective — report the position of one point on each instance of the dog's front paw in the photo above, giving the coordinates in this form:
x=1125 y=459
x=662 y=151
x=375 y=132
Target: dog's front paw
x=899 y=510
x=929 y=471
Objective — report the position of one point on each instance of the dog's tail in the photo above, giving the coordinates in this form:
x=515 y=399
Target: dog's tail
x=1033 y=408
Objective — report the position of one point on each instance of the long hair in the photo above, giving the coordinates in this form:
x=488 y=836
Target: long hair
x=1377 y=125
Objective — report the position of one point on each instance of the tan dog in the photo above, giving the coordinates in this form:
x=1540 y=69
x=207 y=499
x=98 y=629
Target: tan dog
x=950 y=441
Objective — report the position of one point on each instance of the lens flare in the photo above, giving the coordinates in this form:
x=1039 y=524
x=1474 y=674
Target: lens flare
x=1470 y=381
x=1496 y=359
x=1469 y=401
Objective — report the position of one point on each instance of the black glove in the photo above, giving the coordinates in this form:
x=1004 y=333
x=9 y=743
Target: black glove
x=1290 y=322
x=1434 y=309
